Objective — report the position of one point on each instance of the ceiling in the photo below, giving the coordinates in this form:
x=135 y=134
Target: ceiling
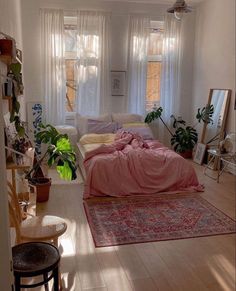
x=156 y=1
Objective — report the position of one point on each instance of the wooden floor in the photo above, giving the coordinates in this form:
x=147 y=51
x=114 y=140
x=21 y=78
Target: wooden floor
x=199 y=264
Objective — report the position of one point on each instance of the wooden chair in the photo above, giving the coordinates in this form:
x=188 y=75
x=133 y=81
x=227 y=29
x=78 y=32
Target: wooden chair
x=36 y=228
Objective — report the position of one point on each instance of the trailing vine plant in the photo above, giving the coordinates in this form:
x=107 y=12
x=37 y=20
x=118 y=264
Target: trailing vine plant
x=17 y=89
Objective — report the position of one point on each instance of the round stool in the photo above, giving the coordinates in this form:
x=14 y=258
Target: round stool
x=33 y=259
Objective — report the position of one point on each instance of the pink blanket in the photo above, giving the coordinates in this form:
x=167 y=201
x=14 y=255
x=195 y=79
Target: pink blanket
x=132 y=166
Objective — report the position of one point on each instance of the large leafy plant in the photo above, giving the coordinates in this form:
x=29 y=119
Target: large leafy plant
x=59 y=152
x=184 y=137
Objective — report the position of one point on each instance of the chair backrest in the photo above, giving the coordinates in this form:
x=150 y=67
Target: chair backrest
x=230 y=142
x=14 y=211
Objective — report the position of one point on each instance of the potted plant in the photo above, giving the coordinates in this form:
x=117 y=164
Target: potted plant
x=184 y=137
x=59 y=152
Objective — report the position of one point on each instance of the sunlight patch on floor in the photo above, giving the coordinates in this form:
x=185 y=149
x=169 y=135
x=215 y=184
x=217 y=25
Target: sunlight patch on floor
x=68 y=247
x=223 y=271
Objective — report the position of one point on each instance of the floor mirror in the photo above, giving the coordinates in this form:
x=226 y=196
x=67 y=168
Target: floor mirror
x=214 y=132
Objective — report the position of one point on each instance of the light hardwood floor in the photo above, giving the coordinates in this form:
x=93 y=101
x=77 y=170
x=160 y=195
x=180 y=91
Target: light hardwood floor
x=206 y=263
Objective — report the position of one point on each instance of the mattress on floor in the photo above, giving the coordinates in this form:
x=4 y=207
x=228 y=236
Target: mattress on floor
x=91 y=142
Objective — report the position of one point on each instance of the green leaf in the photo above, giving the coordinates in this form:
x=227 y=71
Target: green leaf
x=155 y=114
x=21 y=131
x=205 y=114
x=63 y=144
x=15 y=68
x=16 y=106
x=65 y=171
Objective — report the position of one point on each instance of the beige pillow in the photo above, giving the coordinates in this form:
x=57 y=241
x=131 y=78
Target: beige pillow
x=135 y=124
x=97 y=138
x=82 y=121
x=122 y=118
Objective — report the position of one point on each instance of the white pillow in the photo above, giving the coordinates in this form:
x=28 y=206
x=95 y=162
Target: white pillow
x=126 y=118
x=82 y=121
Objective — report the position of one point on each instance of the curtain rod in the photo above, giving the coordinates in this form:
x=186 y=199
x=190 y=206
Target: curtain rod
x=70 y=10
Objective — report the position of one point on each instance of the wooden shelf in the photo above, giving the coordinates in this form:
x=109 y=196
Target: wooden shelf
x=10 y=165
x=6 y=97
x=9 y=99
x=6 y=59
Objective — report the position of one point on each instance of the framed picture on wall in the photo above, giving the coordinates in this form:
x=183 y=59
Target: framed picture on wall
x=199 y=154
x=118 y=83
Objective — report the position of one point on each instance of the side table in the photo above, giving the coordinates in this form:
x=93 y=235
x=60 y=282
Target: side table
x=216 y=158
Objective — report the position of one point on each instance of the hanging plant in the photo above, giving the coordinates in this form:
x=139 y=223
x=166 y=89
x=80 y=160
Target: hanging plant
x=17 y=89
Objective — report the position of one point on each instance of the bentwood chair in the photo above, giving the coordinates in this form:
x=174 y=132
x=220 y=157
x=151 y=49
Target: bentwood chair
x=35 y=228
x=35 y=259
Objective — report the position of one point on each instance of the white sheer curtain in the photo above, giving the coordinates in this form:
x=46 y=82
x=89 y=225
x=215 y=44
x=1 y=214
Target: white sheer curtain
x=53 y=67
x=93 y=63
x=137 y=63
x=170 y=74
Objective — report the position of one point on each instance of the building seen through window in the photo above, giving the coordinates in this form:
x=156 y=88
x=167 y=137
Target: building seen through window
x=154 y=65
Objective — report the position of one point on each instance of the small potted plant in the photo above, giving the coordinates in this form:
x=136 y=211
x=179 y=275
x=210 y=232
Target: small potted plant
x=20 y=145
x=59 y=152
x=184 y=137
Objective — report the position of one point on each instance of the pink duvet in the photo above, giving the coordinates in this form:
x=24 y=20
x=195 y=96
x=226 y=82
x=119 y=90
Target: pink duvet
x=132 y=166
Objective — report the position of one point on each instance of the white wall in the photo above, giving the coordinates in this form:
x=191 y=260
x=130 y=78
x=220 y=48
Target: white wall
x=11 y=25
x=119 y=42
x=214 y=65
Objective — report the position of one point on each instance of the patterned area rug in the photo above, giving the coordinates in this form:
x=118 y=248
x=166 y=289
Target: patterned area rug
x=116 y=221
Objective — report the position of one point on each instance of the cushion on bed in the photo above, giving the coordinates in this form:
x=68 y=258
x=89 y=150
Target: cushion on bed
x=97 y=126
x=126 y=118
x=135 y=124
x=97 y=138
x=82 y=121
x=143 y=130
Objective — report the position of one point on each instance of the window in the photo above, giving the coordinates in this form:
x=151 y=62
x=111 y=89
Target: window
x=87 y=46
x=154 y=65
x=70 y=62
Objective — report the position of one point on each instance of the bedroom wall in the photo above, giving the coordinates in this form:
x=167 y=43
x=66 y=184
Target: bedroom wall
x=119 y=42
x=214 y=65
x=10 y=24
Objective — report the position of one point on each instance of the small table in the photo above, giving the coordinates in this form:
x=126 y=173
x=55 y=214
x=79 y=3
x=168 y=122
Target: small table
x=229 y=160
x=216 y=158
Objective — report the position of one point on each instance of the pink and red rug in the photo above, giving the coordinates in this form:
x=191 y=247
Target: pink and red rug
x=115 y=221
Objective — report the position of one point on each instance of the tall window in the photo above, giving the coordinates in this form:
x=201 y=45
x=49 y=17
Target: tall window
x=70 y=62
x=154 y=64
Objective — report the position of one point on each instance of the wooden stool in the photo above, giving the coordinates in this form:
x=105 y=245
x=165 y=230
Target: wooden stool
x=33 y=259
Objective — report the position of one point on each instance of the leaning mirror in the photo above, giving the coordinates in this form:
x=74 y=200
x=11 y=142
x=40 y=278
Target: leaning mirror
x=213 y=132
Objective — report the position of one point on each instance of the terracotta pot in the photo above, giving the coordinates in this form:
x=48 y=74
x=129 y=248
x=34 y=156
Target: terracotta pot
x=187 y=154
x=6 y=47
x=42 y=186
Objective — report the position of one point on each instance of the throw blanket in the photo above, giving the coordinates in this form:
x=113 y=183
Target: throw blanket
x=132 y=166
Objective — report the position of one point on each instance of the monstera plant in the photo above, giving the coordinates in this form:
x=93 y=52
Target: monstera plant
x=184 y=137
x=59 y=152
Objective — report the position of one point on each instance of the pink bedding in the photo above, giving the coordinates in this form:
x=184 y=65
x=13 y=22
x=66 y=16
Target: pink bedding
x=132 y=166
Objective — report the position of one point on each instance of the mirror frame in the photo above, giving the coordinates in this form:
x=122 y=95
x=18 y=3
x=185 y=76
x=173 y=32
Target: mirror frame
x=221 y=135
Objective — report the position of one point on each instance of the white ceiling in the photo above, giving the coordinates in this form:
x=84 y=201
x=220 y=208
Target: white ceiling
x=157 y=1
